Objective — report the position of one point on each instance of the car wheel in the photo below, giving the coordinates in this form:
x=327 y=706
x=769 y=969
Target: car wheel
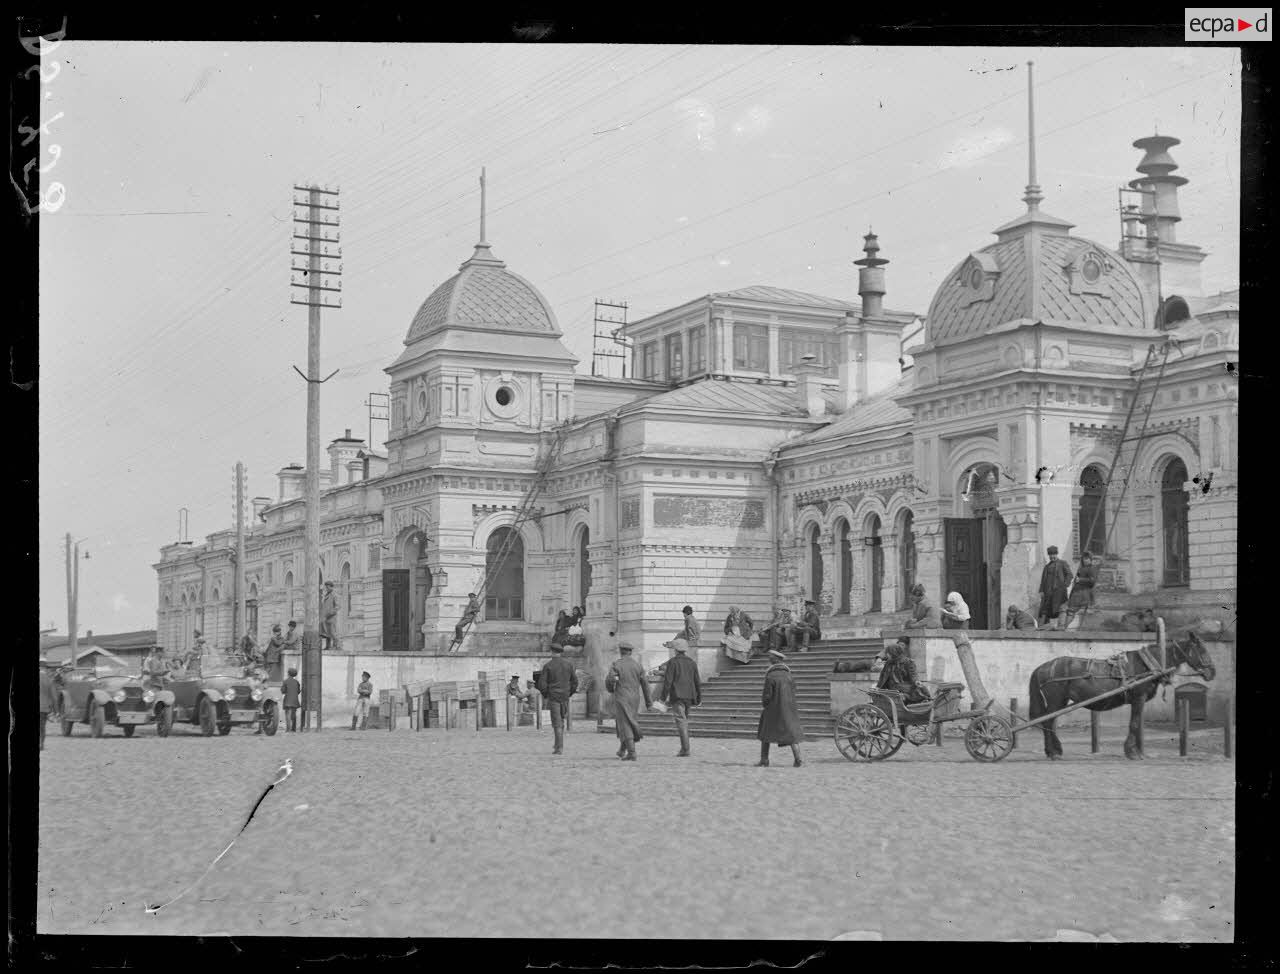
x=67 y=725
x=270 y=719
x=128 y=729
x=97 y=719
x=164 y=720
x=208 y=717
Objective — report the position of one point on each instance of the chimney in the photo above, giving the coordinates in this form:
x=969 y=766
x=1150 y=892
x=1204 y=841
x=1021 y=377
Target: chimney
x=355 y=471
x=341 y=452
x=1164 y=266
x=260 y=504
x=809 y=386
x=871 y=277
x=291 y=480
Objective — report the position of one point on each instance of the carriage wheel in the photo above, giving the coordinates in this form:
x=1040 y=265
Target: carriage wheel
x=864 y=733
x=988 y=738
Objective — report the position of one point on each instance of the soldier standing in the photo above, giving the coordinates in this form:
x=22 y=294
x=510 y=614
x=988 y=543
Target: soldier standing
x=557 y=682
x=626 y=681
x=329 y=618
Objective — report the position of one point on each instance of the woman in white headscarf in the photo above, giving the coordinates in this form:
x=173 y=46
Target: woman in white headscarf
x=955 y=613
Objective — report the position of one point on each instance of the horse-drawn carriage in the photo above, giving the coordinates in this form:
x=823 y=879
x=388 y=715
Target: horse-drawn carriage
x=876 y=730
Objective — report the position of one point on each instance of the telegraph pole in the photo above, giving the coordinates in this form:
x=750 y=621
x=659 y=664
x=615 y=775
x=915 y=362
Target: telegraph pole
x=315 y=237
x=238 y=627
x=73 y=581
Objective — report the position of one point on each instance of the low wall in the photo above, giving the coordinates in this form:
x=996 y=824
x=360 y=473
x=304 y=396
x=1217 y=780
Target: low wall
x=1006 y=659
x=391 y=671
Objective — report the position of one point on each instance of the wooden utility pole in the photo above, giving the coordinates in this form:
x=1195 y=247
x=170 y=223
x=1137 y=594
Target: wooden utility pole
x=238 y=626
x=73 y=581
x=315 y=237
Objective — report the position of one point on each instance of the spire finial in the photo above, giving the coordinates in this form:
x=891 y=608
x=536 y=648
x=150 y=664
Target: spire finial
x=1033 y=196
x=482 y=201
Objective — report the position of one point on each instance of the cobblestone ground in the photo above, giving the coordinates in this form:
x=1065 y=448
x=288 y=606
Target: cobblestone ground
x=463 y=834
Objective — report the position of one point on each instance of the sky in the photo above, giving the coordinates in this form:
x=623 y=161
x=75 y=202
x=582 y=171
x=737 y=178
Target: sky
x=643 y=174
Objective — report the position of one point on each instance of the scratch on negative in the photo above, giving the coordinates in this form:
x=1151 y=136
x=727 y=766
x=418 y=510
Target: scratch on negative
x=286 y=769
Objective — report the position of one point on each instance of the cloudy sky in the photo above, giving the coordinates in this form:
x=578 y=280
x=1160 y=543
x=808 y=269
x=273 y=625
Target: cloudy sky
x=643 y=174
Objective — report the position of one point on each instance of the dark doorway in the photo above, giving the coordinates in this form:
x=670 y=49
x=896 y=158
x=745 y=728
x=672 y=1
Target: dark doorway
x=815 y=565
x=1173 y=512
x=395 y=610
x=965 y=572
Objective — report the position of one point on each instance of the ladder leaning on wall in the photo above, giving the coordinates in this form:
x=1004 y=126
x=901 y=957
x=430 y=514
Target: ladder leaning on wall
x=1126 y=453
x=542 y=470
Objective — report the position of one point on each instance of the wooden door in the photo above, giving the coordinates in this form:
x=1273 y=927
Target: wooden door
x=395 y=610
x=964 y=570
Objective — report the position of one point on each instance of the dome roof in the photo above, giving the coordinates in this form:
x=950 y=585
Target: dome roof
x=1036 y=271
x=484 y=295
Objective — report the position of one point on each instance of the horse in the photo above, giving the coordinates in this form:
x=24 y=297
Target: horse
x=1068 y=679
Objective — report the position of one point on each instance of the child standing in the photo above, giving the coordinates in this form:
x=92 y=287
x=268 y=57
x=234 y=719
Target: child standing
x=292 y=699
x=363 y=692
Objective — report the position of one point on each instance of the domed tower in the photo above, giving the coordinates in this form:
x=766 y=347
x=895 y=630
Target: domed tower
x=1029 y=349
x=483 y=374
x=483 y=357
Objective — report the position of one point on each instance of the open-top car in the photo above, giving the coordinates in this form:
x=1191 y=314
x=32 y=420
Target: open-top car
x=218 y=691
x=106 y=694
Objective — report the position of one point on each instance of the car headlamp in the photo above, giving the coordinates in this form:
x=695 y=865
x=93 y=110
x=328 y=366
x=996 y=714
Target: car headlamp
x=230 y=694
x=148 y=696
x=256 y=694
x=118 y=696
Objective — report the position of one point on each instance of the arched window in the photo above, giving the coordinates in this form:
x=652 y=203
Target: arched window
x=1093 y=510
x=504 y=569
x=906 y=557
x=288 y=579
x=1173 y=514
x=344 y=583
x=1172 y=312
x=584 y=567
x=846 y=563
x=875 y=562
x=815 y=564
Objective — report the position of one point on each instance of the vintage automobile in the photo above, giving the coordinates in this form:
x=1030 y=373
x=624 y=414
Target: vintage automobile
x=107 y=694
x=218 y=691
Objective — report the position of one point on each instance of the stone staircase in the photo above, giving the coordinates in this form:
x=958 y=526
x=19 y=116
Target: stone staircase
x=731 y=699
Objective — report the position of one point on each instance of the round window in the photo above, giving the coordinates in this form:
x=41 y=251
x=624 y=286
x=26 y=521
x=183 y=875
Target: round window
x=505 y=396
x=976 y=278
x=422 y=402
x=1092 y=270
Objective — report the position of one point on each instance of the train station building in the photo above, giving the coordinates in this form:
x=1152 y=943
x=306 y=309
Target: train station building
x=775 y=446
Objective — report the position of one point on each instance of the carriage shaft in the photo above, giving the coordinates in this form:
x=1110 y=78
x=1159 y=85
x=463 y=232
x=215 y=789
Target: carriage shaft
x=1022 y=725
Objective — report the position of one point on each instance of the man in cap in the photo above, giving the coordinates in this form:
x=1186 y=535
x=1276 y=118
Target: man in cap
x=682 y=689
x=1054 y=581
x=780 y=717
x=329 y=618
x=155 y=668
x=807 y=630
x=364 y=693
x=468 y=616
x=626 y=681
x=924 y=614
x=557 y=682
x=273 y=655
x=292 y=638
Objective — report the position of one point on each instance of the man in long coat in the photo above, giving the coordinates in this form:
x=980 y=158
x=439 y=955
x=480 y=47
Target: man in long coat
x=682 y=689
x=557 y=682
x=1054 y=581
x=329 y=617
x=273 y=655
x=626 y=681
x=780 y=718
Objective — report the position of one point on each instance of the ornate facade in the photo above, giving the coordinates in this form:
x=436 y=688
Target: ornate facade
x=776 y=447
